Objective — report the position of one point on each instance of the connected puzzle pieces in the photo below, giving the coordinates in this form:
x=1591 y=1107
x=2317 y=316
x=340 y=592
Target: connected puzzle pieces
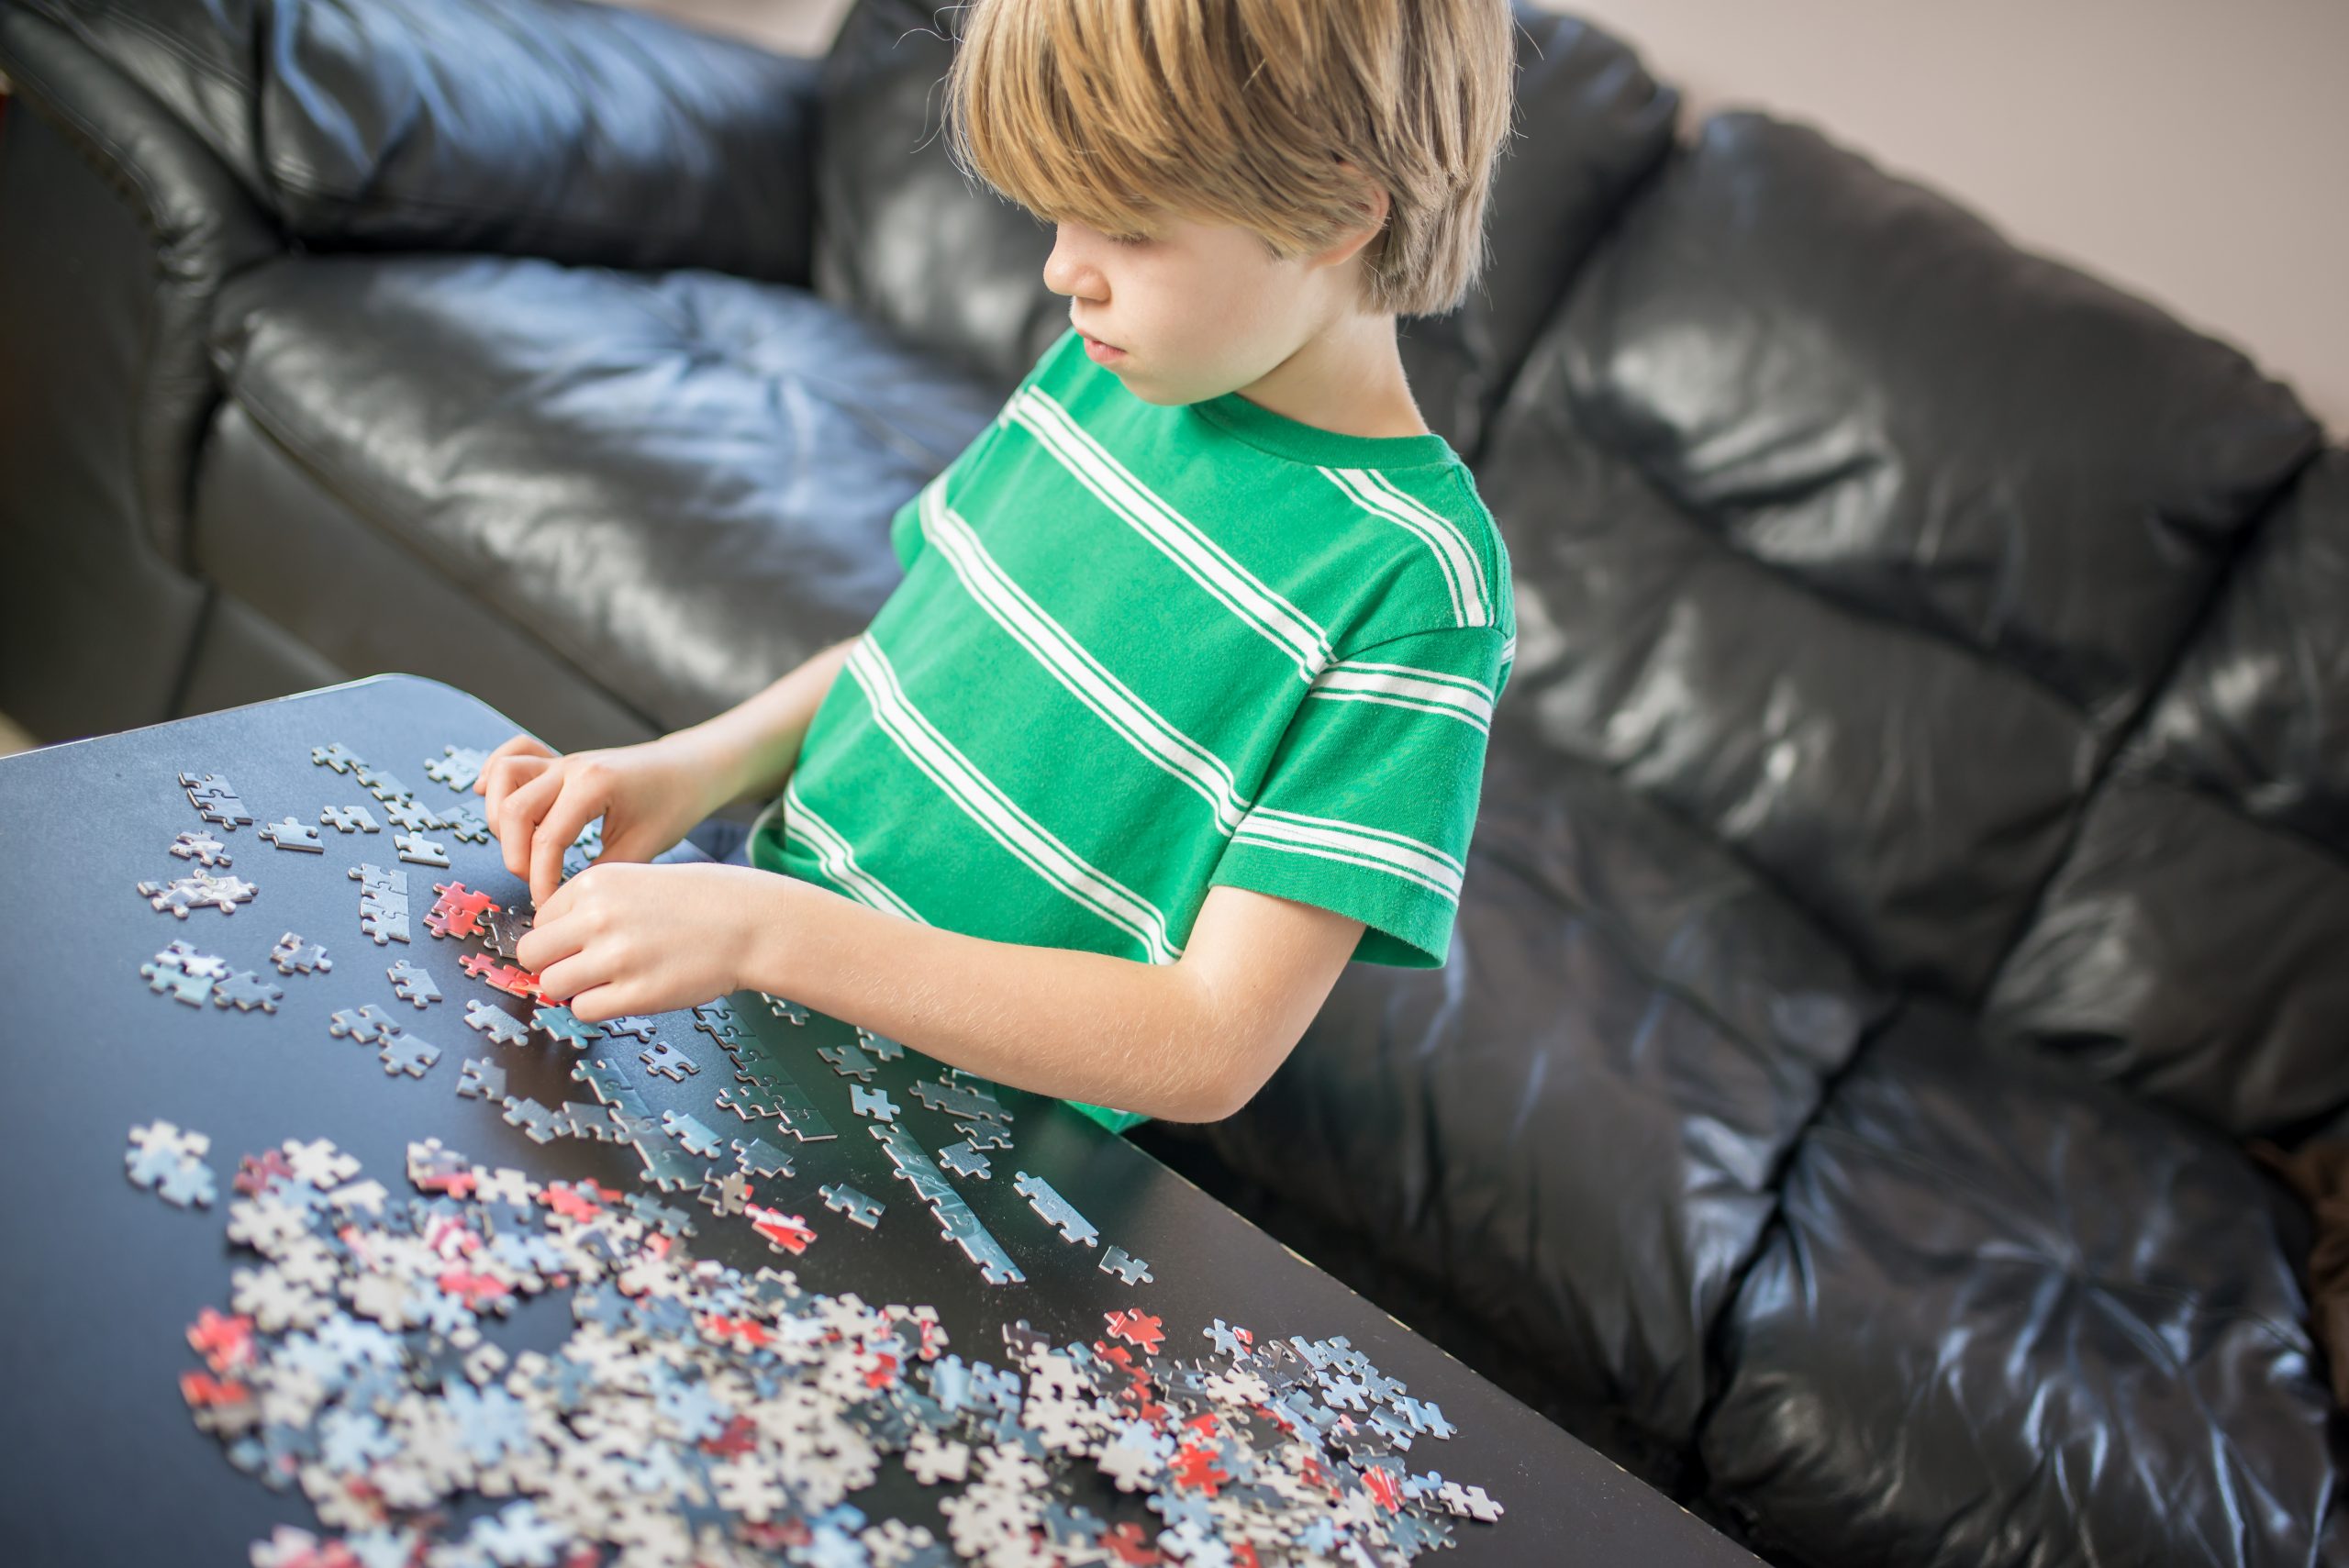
x=188 y=975
x=457 y=909
x=171 y=1163
x=198 y=890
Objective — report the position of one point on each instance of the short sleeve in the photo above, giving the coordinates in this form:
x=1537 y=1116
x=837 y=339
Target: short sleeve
x=1371 y=798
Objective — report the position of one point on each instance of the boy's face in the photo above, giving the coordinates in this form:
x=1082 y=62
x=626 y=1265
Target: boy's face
x=1198 y=309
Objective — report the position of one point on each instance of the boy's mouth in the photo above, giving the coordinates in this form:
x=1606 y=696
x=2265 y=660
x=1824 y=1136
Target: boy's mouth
x=1101 y=354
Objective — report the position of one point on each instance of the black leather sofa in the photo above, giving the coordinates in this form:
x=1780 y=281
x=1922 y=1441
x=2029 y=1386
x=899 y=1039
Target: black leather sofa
x=1914 y=857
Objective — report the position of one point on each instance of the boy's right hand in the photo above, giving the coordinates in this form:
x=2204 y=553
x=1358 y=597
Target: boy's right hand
x=539 y=801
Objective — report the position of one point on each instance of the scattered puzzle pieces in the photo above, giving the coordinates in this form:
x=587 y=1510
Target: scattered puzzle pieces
x=847 y=1200
x=406 y=1053
x=1055 y=1209
x=501 y=930
x=198 y=890
x=245 y=991
x=760 y=1158
x=203 y=848
x=1128 y=1269
x=457 y=766
x=559 y=1024
x=691 y=1131
x=466 y=823
x=383 y=902
x=784 y=1232
x=717 y=1020
x=457 y=909
x=965 y=1161
x=187 y=974
x=847 y=1061
x=668 y=1060
x=420 y=849
x=291 y=954
x=413 y=984
x=503 y=976
x=294 y=834
x=540 y=1124
x=502 y=1027
x=171 y=1163
x=366 y=1025
x=1138 y=1329
x=482 y=1078
x=215 y=801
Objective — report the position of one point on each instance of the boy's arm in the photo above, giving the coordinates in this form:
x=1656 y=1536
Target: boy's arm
x=1192 y=1040
x=750 y=748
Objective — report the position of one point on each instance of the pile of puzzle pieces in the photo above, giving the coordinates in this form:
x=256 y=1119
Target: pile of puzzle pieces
x=695 y=1415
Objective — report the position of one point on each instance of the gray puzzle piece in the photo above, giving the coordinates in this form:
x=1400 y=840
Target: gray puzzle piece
x=847 y=1200
x=1055 y=1209
x=413 y=984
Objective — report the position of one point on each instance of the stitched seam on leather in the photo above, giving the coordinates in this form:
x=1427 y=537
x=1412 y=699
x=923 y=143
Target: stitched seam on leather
x=300 y=183
x=341 y=487
x=168 y=42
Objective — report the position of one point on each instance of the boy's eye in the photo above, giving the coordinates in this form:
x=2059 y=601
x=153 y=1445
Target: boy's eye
x=1129 y=238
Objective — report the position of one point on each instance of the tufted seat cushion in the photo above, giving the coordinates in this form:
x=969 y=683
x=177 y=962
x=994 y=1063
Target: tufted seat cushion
x=1958 y=1347
x=682 y=483
x=1574 y=1125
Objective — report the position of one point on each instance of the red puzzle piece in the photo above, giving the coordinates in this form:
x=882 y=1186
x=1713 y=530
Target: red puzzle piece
x=786 y=1232
x=459 y=907
x=1136 y=1326
x=505 y=976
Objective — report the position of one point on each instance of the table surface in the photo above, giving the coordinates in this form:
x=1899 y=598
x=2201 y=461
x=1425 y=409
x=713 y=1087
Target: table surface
x=103 y=1279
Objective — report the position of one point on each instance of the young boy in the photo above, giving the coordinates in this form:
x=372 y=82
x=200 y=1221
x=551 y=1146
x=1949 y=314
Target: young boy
x=1182 y=700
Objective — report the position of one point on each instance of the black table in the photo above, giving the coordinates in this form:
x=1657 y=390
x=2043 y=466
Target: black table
x=104 y=1463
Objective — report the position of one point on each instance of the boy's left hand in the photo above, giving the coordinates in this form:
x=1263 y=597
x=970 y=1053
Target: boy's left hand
x=622 y=939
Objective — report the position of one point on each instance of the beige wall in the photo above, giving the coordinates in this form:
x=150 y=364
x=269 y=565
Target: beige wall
x=2191 y=153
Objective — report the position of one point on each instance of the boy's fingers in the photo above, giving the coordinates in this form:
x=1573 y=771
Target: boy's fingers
x=519 y=814
x=504 y=776
x=545 y=944
x=579 y=804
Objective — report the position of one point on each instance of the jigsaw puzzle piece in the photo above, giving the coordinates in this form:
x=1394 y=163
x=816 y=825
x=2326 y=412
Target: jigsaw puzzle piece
x=294 y=834
x=291 y=954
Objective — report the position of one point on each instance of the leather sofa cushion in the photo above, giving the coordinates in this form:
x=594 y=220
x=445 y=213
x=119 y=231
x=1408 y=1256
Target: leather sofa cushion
x=2195 y=943
x=2008 y=1307
x=680 y=484
x=573 y=131
x=1856 y=536
x=1575 y=1125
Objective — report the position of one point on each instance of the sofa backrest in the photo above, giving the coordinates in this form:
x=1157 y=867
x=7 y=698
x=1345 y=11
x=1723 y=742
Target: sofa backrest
x=2194 y=943
x=1858 y=535
x=565 y=129
x=903 y=239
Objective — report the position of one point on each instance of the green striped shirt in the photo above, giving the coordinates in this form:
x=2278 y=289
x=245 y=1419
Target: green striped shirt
x=1143 y=650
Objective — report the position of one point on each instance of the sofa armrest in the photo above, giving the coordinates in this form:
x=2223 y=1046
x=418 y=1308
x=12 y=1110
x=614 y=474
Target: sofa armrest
x=565 y=129
x=117 y=228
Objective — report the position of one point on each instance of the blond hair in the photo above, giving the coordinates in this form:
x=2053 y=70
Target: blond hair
x=1237 y=112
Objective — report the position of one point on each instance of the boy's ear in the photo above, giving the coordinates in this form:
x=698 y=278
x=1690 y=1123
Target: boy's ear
x=1374 y=204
